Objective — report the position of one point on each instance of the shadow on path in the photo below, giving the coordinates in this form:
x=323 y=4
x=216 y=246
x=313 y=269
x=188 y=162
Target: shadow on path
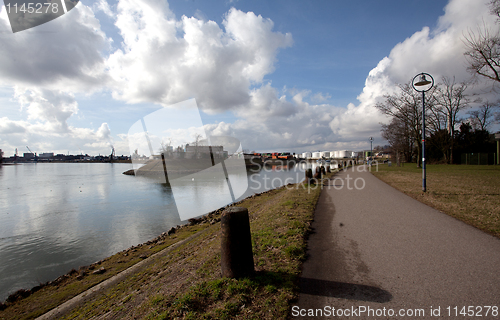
x=343 y=290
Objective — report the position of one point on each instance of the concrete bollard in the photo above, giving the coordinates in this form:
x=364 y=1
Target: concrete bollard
x=236 y=243
x=323 y=171
x=328 y=169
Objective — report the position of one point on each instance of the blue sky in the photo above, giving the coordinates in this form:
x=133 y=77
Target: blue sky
x=279 y=75
x=336 y=43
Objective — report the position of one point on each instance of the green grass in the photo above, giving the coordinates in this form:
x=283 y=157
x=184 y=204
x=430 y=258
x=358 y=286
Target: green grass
x=468 y=193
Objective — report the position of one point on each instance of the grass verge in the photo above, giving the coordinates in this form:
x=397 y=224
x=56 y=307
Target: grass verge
x=468 y=193
x=186 y=283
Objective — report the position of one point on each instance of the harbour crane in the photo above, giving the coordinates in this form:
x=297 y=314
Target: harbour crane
x=36 y=157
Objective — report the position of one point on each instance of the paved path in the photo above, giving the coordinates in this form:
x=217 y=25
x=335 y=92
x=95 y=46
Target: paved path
x=378 y=248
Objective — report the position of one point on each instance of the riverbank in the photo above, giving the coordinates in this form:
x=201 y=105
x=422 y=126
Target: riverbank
x=187 y=280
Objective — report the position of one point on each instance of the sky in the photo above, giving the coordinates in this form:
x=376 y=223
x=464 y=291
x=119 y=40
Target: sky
x=278 y=75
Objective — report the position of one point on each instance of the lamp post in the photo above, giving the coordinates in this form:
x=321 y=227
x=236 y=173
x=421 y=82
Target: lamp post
x=497 y=138
x=423 y=85
x=371 y=150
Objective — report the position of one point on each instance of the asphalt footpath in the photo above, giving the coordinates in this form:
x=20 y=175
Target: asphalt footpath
x=376 y=253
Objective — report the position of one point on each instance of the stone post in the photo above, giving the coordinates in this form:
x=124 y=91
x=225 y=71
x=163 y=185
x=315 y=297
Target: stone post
x=309 y=175
x=236 y=243
x=317 y=175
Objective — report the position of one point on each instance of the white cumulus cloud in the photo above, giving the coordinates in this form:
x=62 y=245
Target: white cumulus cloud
x=438 y=52
x=165 y=60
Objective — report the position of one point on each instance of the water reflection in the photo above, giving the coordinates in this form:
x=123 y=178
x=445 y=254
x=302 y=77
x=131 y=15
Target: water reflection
x=55 y=217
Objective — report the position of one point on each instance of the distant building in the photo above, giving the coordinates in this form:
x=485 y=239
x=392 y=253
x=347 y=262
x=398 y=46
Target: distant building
x=28 y=155
x=46 y=155
x=204 y=151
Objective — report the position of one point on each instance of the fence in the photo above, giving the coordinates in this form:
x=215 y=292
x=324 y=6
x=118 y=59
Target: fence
x=479 y=158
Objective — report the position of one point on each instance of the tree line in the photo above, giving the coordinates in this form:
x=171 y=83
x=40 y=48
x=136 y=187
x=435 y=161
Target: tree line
x=448 y=134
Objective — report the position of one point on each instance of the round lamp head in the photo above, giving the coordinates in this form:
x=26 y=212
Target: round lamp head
x=422 y=85
x=423 y=81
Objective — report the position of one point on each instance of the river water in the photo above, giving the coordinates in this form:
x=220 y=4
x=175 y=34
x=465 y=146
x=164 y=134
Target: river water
x=58 y=216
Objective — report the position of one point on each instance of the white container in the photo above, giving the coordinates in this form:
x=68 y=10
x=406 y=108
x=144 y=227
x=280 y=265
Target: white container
x=325 y=154
x=342 y=154
x=316 y=155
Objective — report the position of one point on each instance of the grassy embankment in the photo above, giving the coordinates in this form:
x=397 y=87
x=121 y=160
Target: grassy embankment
x=468 y=193
x=186 y=282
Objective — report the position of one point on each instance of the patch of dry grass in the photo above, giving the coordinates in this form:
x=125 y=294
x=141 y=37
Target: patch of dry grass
x=468 y=193
x=186 y=283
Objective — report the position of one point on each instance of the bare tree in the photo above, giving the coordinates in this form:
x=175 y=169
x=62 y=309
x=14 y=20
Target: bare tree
x=399 y=138
x=197 y=143
x=165 y=147
x=436 y=119
x=483 y=49
x=482 y=118
x=483 y=53
x=495 y=7
x=405 y=106
x=450 y=98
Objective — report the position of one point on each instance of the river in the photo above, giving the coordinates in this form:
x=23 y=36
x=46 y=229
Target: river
x=58 y=216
